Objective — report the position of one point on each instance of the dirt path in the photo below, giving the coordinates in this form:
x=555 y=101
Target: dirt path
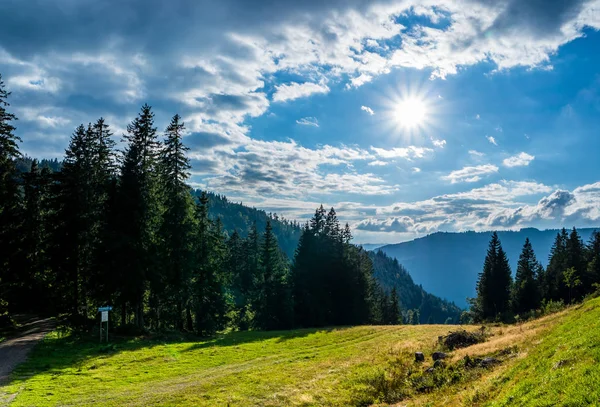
x=15 y=349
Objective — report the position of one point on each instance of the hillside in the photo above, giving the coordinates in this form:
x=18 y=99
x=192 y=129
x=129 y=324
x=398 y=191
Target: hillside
x=236 y=216
x=447 y=264
x=413 y=298
x=356 y=366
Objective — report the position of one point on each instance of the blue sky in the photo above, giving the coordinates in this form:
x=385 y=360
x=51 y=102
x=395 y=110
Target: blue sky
x=408 y=117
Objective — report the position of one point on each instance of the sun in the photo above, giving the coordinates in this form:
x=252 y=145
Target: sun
x=410 y=112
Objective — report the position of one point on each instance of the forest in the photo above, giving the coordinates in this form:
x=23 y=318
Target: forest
x=124 y=228
x=573 y=272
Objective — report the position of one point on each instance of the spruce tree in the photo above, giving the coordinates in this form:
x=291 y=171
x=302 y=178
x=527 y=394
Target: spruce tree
x=526 y=294
x=208 y=292
x=494 y=284
x=593 y=269
x=10 y=202
x=272 y=301
x=178 y=224
x=395 y=313
x=576 y=258
x=140 y=213
x=557 y=264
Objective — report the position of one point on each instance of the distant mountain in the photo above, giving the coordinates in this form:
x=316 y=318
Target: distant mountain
x=431 y=309
x=447 y=264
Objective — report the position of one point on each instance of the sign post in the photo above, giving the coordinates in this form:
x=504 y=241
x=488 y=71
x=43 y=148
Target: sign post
x=104 y=318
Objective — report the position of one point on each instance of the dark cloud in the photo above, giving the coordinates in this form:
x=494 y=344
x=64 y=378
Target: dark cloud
x=554 y=205
x=539 y=17
x=204 y=140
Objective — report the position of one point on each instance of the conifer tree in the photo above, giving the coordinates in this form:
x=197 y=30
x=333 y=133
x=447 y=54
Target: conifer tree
x=9 y=197
x=178 y=224
x=238 y=287
x=140 y=212
x=593 y=270
x=576 y=258
x=494 y=284
x=557 y=264
x=272 y=299
x=208 y=292
x=526 y=294
x=395 y=313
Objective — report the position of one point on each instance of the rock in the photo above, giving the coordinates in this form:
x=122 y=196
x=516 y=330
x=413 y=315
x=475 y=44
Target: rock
x=438 y=356
x=487 y=362
x=419 y=357
x=429 y=370
x=439 y=363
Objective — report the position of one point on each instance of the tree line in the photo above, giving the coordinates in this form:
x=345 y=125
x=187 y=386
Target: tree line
x=573 y=272
x=124 y=228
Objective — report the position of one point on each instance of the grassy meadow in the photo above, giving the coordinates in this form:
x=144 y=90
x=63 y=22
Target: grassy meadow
x=549 y=360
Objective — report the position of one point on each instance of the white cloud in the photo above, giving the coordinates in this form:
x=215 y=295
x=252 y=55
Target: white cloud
x=439 y=143
x=295 y=90
x=519 y=160
x=367 y=109
x=476 y=153
x=416 y=169
x=378 y=163
x=477 y=117
x=408 y=153
x=492 y=140
x=308 y=121
x=227 y=79
x=470 y=174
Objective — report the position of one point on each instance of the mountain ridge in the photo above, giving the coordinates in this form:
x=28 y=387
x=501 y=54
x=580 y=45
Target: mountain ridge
x=446 y=264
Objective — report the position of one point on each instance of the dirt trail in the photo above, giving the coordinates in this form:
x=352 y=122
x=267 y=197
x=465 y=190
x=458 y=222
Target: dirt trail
x=15 y=349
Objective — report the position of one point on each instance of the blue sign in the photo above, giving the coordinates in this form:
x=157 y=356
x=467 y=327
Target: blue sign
x=101 y=309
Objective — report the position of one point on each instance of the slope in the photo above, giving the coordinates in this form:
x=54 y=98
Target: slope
x=447 y=264
x=356 y=366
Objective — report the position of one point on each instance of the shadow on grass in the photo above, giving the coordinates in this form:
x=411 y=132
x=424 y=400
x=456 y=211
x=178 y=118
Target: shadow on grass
x=244 y=337
x=68 y=350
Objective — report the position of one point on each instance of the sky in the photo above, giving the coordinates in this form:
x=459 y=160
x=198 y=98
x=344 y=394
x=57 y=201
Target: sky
x=408 y=117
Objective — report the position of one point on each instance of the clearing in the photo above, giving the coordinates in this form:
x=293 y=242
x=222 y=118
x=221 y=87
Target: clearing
x=552 y=361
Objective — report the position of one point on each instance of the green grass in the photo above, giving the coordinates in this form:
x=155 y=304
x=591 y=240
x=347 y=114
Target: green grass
x=562 y=369
x=330 y=367
x=302 y=367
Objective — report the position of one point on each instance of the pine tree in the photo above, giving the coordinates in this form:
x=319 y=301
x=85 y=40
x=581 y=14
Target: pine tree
x=494 y=284
x=33 y=261
x=526 y=294
x=238 y=286
x=576 y=258
x=593 y=269
x=395 y=313
x=317 y=223
x=557 y=264
x=140 y=213
x=272 y=300
x=208 y=291
x=177 y=226
x=10 y=202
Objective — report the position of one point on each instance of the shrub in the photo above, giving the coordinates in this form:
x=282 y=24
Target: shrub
x=462 y=339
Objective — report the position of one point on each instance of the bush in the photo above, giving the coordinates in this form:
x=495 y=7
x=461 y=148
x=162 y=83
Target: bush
x=462 y=339
x=551 y=307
